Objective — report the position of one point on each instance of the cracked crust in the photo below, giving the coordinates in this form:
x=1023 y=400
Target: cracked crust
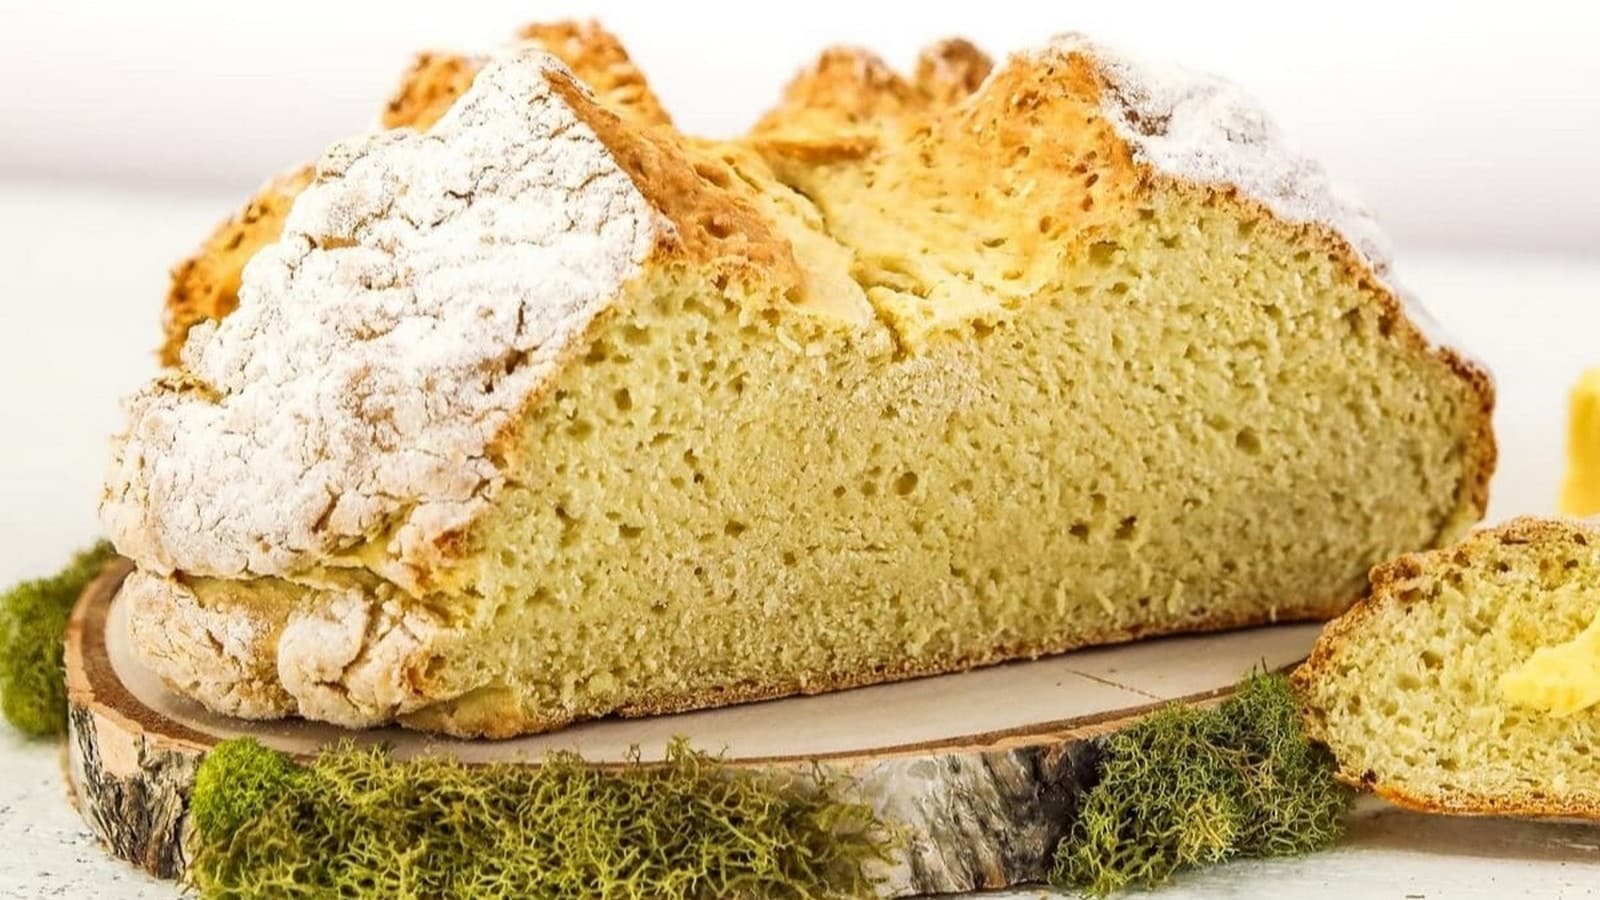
x=510 y=195
x=205 y=287
x=599 y=60
x=364 y=661
x=1394 y=583
x=221 y=655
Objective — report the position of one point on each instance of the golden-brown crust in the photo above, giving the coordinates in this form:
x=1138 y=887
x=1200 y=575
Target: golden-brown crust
x=600 y=62
x=846 y=88
x=1392 y=583
x=1028 y=158
x=703 y=198
x=206 y=285
x=1467 y=803
x=950 y=71
x=840 y=104
x=429 y=88
x=436 y=80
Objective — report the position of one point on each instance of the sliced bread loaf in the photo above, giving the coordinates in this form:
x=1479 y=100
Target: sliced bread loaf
x=550 y=412
x=1469 y=680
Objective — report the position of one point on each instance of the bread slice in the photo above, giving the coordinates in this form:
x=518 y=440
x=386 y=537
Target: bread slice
x=1467 y=681
x=551 y=412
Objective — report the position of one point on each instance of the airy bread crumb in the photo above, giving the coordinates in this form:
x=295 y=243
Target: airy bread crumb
x=1406 y=688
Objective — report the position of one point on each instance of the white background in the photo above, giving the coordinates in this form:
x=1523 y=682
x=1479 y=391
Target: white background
x=1468 y=125
x=127 y=129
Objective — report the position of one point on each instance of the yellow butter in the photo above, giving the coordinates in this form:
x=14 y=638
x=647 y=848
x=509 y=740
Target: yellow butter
x=1559 y=680
x=1580 y=496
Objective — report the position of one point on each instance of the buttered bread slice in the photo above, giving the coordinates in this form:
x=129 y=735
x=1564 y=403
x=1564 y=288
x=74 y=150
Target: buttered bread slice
x=549 y=412
x=1469 y=681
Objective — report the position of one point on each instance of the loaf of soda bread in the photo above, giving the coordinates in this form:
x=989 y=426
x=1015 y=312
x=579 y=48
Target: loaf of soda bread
x=538 y=410
x=1469 y=680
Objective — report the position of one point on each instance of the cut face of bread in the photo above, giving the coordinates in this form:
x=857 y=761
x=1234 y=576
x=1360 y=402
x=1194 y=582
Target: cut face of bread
x=550 y=412
x=1468 y=680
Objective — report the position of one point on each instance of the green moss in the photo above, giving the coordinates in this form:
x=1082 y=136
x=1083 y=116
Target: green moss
x=237 y=782
x=33 y=623
x=1189 y=787
x=356 y=822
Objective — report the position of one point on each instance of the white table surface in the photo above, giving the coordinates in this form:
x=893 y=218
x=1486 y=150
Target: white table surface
x=82 y=272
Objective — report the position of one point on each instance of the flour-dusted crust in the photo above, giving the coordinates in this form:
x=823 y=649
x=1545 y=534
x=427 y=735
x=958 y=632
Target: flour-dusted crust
x=1199 y=129
x=353 y=395
x=206 y=285
x=225 y=657
x=1206 y=130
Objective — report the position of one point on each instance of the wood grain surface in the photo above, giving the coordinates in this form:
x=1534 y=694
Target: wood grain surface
x=980 y=769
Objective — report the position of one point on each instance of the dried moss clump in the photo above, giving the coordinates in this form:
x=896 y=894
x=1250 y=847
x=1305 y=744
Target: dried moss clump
x=33 y=624
x=1192 y=786
x=357 y=822
x=236 y=783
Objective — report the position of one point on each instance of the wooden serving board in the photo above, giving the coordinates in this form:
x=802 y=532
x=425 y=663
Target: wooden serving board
x=980 y=768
